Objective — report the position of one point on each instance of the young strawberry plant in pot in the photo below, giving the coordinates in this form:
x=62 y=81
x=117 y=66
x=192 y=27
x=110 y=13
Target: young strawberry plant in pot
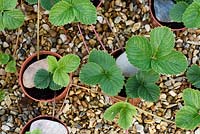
x=47 y=79
x=187 y=12
x=44 y=124
x=160 y=14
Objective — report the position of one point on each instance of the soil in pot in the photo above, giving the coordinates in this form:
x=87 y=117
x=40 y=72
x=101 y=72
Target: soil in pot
x=160 y=14
x=95 y=2
x=39 y=94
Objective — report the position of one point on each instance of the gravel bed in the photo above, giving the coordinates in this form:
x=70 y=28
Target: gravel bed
x=83 y=109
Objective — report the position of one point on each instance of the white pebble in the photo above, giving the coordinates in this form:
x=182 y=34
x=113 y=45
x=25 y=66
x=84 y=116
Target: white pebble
x=5 y=44
x=5 y=128
x=147 y=27
x=100 y=19
x=63 y=37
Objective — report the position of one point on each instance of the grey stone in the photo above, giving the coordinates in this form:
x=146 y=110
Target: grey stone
x=126 y=67
x=48 y=127
x=5 y=128
x=29 y=73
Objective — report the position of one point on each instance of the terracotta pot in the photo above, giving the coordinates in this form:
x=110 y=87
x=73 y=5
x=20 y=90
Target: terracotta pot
x=27 y=126
x=46 y=95
x=114 y=99
x=173 y=25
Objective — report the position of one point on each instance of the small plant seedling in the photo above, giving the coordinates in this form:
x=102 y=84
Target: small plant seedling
x=35 y=131
x=57 y=75
x=68 y=11
x=6 y=59
x=193 y=75
x=186 y=11
x=157 y=54
x=2 y=95
x=101 y=69
x=46 y=4
x=10 y=17
x=125 y=110
x=188 y=117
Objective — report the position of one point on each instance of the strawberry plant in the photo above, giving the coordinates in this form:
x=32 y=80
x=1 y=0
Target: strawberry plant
x=6 y=59
x=186 y=11
x=188 y=117
x=68 y=11
x=46 y=4
x=10 y=17
x=157 y=53
x=193 y=75
x=57 y=75
x=35 y=131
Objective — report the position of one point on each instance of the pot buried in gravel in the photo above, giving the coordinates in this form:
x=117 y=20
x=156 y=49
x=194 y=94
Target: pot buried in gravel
x=159 y=12
x=46 y=124
x=44 y=95
x=127 y=70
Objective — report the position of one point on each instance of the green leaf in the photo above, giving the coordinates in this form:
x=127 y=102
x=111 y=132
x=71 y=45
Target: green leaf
x=13 y=19
x=1 y=22
x=162 y=41
x=42 y=79
x=112 y=81
x=48 y=4
x=176 y=12
x=2 y=95
x=101 y=58
x=149 y=92
x=126 y=112
x=35 y=131
x=126 y=116
x=4 y=58
x=52 y=64
x=7 y=4
x=139 y=52
x=85 y=12
x=11 y=67
x=70 y=62
x=192 y=98
x=173 y=63
x=193 y=75
x=188 y=118
x=61 y=13
x=91 y=73
x=54 y=86
x=191 y=15
x=32 y=1
x=112 y=111
x=187 y=1
x=60 y=77
x=143 y=85
x=132 y=87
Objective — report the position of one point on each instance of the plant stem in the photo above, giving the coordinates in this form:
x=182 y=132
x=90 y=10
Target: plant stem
x=139 y=109
x=86 y=47
x=98 y=38
x=100 y=3
x=38 y=31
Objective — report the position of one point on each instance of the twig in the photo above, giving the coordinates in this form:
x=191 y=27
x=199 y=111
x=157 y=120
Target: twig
x=139 y=109
x=16 y=44
x=98 y=38
x=38 y=31
x=86 y=47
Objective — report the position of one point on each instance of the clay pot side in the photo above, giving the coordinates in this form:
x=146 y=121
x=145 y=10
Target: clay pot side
x=28 y=124
x=114 y=99
x=173 y=25
x=43 y=95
